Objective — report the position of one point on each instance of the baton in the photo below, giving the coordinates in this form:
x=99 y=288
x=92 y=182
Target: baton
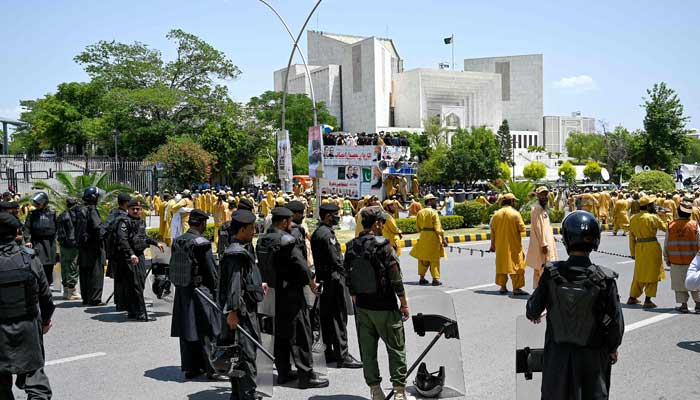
x=239 y=327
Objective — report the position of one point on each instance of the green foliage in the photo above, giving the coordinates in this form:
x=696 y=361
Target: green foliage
x=535 y=171
x=569 y=172
x=555 y=216
x=505 y=143
x=504 y=171
x=664 y=139
x=527 y=215
x=654 y=181
x=619 y=145
x=592 y=170
x=536 y=149
x=420 y=145
x=471 y=211
x=522 y=191
x=473 y=156
x=185 y=161
x=434 y=131
x=692 y=156
x=448 y=222
x=582 y=146
x=433 y=170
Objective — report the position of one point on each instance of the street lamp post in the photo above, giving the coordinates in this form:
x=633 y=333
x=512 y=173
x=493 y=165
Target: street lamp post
x=115 y=132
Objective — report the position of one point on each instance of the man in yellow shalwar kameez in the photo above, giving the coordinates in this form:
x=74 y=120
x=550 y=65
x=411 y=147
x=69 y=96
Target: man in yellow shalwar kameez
x=391 y=231
x=160 y=210
x=604 y=202
x=219 y=212
x=431 y=242
x=267 y=204
x=168 y=217
x=507 y=227
x=621 y=218
x=646 y=250
x=187 y=204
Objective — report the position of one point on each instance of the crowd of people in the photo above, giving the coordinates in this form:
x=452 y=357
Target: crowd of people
x=364 y=139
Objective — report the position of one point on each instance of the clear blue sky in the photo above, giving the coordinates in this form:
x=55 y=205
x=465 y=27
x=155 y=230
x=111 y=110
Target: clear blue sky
x=599 y=56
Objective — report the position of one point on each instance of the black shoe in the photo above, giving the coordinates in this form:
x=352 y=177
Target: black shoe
x=349 y=362
x=217 y=377
x=331 y=358
x=144 y=318
x=193 y=374
x=520 y=292
x=423 y=282
x=286 y=377
x=436 y=282
x=96 y=304
x=312 y=381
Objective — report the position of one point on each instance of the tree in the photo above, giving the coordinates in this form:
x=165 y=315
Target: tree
x=434 y=130
x=505 y=142
x=618 y=145
x=582 y=146
x=434 y=169
x=473 y=156
x=535 y=171
x=653 y=181
x=664 y=139
x=569 y=172
x=185 y=162
x=692 y=156
x=592 y=170
x=521 y=190
x=504 y=171
x=419 y=145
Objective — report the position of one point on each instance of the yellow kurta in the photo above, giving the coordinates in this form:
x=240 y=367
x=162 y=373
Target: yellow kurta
x=185 y=216
x=392 y=232
x=588 y=203
x=267 y=204
x=157 y=202
x=672 y=208
x=429 y=246
x=604 y=205
x=168 y=212
x=696 y=214
x=621 y=218
x=541 y=235
x=358 y=222
x=161 y=218
x=648 y=264
x=507 y=227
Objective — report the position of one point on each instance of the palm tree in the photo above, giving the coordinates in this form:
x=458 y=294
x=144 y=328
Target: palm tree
x=521 y=190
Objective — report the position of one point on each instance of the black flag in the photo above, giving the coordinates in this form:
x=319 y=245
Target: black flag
x=448 y=40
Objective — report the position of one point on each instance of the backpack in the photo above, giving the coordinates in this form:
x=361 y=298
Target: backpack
x=367 y=276
x=110 y=236
x=65 y=228
x=268 y=245
x=79 y=214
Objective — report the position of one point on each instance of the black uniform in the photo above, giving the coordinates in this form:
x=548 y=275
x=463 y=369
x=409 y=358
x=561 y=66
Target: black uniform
x=132 y=241
x=193 y=318
x=113 y=257
x=328 y=261
x=40 y=231
x=240 y=291
x=570 y=371
x=91 y=260
x=21 y=320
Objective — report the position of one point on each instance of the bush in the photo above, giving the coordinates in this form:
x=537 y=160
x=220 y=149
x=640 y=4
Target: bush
x=408 y=225
x=488 y=213
x=592 y=170
x=654 y=181
x=504 y=171
x=556 y=215
x=208 y=233
x=471 y=211
x=527 y=218
x=569 y=172
x=535 y=171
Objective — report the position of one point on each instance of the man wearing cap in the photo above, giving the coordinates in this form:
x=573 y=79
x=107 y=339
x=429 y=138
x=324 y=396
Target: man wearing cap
x=681 y=245
x=646 y=251
x=604 y=202
x=328 y=261
x=390 y=230
x=300 y=230
x=168 y=218
x=431 y=242
x=192 y=266
x=588 y=202
x=371 y=201
x=507 y=227
x=621 y=218
x=40 y=232
x=542 y=248
x=114 y=269
x=131 y=241
x=240 y=291
x=183 y=207
x=91 y=257
x=219 y=211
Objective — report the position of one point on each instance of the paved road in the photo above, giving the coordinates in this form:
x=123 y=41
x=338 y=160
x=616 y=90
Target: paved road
x=130 y=360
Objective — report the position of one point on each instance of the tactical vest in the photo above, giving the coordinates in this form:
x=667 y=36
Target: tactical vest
x=137 y=238
x=367 y=274
x=573 y=306
x=682 y=244
x=251 y=281
x=184 y=268
x=65 y=232
x=19 y=289
x=268 y=245
x=42 y=223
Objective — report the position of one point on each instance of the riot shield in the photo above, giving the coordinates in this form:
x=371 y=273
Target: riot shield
x=318 y=348
x=265 y=378
x=432 y=333
x=159 y=292
x=529 y=350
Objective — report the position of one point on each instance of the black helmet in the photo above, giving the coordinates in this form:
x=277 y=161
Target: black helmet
x=580 y=232
x=429 y=384
x=91 y=194
x=40 y=198
x=161 y=286
x=224 y=360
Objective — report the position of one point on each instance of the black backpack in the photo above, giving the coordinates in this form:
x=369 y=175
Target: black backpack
x=79 y=214
x=367 y=276
x=110 y=236
x=65 y=228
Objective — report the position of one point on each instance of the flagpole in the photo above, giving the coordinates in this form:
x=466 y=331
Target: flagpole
x=453 y=51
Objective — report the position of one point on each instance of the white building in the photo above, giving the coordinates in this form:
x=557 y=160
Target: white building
x=558 y=128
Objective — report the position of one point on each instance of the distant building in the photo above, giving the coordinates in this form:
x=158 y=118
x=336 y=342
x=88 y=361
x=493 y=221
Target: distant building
x=694 y=133
x=558 y=128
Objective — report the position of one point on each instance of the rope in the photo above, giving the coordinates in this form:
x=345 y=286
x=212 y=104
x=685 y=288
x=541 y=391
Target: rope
x=468 y=249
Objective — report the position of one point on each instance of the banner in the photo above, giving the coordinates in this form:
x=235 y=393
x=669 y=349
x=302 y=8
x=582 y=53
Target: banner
x=315 y=149
x=351 y=155
x=284 y=160
x=394 y=153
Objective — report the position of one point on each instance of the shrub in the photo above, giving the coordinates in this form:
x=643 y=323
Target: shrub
x=556 y=215
x=569 y=172
x=535 y=171
x=452 y=222
x=592 y=170
x=504 y=171
x=527 y=218
x=654 y=181
x=488 y=213
x=471 y=212
x=407 y=225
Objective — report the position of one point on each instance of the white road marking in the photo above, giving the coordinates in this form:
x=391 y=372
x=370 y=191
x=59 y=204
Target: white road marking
x=625 y=262
x=470 y=288
x=648 y=321
x=75 y=358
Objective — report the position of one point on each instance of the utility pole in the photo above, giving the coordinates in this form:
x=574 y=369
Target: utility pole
x=115 y=132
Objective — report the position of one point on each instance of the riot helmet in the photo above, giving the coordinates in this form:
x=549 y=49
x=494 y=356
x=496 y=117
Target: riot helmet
x=429 y=384
x=91 y=194
x=224 y=360
x=40 y=199
x=580 y=232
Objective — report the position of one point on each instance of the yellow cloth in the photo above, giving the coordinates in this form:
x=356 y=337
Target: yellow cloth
x=541 y=235
x=358 y=222
x=185 y=216
x=414 y=208
x=168 y=216
x=677 y=200
x=673 y=210
x=604 y=202
x=392 y=232
x=696 y=214
x=648 y=264
x=267 y=204
x=429 y=246
x=518 y=279
x=483 y=200
x=157 y=202
x=415 y=186
x=424 y=266
x=507 y=227
x=588 y=203
x=621 y=218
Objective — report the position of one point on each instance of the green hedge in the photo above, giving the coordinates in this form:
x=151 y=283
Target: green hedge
x=654 y=181
x=556 y=215
x=408 y=225
x=526 y=216
x=471 y=211
x=208 y=233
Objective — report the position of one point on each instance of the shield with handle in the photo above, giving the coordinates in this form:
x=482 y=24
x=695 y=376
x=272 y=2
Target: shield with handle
x=529 y=352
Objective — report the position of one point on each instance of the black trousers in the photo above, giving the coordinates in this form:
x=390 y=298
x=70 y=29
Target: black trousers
x=334 y=319
x=193 y=356
x=244 y=388
x=48 y=271
x=35 y=384
x=92 y=275
x=293 y=337
x=133 y=281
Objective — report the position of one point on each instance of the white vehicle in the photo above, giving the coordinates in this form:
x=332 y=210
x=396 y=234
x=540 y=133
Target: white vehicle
x=47 y=155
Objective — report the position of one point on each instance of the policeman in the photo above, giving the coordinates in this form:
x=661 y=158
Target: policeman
x=192 y=266
x=241 y=291
x=328 y=261
x=130 y=262
x=26 y=315
x=297 y=227
x=374 y=292
x=584 y=317
x=225 y=235
x=40 y=233
x=91 y=258
x=292 y=323
x=114 y=256
x=68 y=242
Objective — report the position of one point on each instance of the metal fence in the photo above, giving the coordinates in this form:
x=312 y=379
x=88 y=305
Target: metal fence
x=19 y=173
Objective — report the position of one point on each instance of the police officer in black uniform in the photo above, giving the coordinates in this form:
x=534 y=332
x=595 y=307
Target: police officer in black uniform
x=40 y=233
x=112 y=252
x=292 y=324
x=91 y=258
x=192 y=266
x=297 y=230
x=584 y=317
x=328 y=261
x=25 y=315
x=225 y=235
x=240 y=291
x=131 y=263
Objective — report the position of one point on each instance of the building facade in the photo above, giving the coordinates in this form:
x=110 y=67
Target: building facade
x=558 y=128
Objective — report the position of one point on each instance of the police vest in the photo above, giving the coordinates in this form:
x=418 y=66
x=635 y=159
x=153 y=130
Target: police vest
x=367 y=274
x=574 y=306
x=184 y=268
x=19 y=289
x=682 y=244
x=42 y=223
x=251 y=281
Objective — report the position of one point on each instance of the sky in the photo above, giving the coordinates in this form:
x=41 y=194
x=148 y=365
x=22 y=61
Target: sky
x=599 y=56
